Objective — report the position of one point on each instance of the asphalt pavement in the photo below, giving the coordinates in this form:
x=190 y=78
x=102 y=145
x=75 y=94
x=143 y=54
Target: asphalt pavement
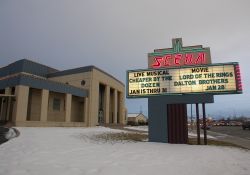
x=236 y=131
x=232 y=134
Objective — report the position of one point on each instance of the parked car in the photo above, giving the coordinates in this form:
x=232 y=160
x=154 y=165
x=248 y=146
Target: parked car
x=207 y=127
x=246 y=124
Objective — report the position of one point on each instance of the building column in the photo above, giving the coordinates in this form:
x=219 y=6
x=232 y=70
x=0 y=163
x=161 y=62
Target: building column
x=93 y=103
x=1 y=110
x=21 y=104
x=115 y=106
x=121 y=111
x=107 y=101
x=8 y=92
x=68 y=107
x=85 y=108
x=44 y=105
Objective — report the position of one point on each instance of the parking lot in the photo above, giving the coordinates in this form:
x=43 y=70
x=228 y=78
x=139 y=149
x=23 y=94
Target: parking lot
x=231 y=134
x=236 y=131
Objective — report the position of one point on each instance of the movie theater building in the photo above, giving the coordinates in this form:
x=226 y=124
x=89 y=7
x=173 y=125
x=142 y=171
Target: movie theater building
x=32 y=94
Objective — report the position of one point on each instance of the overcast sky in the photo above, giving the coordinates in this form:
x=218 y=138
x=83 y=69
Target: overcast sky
x=116 y=35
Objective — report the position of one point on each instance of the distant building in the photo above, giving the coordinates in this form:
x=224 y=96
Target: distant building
x=137 y=118
x=32 y=94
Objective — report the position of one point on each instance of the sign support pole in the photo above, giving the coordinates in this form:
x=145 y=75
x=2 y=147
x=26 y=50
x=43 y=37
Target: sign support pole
x=204 y=123
x=198 y=124
x=192 y=117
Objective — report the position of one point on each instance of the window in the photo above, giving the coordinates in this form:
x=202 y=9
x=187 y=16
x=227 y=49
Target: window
x=56 y=104
x=83 y=82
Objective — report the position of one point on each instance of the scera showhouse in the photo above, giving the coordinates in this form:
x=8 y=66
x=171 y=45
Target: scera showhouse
x=190 y=78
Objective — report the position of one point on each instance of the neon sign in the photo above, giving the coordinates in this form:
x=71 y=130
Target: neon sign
x=170 y=60
x=212 y=79
x=179 y=56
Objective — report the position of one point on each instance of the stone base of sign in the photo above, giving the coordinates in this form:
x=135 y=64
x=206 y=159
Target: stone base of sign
x=158 y=113
x=177 y=123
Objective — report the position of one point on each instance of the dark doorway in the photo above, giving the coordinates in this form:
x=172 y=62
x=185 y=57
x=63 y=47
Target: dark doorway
x=6 y=107
x=177 y=123
x=111 y=105
x=101 y=104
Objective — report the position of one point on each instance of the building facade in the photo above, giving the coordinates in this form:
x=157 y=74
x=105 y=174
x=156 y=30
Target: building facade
x=136 y=118
x=32 y=94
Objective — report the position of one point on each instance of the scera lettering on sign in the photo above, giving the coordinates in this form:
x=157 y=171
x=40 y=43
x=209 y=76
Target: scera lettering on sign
x=179 y=59
x=179 y=56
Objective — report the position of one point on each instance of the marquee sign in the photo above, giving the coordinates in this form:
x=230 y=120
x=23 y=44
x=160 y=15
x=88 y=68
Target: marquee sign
x=179 y=56
x=213 y=79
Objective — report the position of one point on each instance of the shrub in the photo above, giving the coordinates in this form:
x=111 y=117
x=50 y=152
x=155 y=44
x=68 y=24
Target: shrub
x=141 y=122
x=132 y=123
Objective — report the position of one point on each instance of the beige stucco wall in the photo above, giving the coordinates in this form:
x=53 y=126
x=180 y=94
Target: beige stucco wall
x=92 y=81
x=77 y=107
x=131 y=119
x=67 y=107
x=140 y=117
x=41 y=103
x=44 y=104
x=98 y=77
x=21 y=104
x=34 y=105
x=54 y=115
x=75 y=79
x=30 y=105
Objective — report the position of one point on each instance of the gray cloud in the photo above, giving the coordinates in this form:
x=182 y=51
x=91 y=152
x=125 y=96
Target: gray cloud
x=116 y=35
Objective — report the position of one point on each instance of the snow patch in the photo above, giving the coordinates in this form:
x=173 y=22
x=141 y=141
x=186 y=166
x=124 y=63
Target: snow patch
x=59 y=151
x=138 y=128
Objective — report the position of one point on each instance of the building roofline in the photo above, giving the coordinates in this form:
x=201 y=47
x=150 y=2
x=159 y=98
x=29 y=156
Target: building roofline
x=137 y=114
x=25 y=59
x=70 y=71
x=81 y=70
x=41 y=83
x=25 y=66
x=109 y=75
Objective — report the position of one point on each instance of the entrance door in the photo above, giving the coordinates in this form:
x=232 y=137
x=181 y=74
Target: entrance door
x=6 y=107
x=100 y=117
x=177 y=123
x=101 y=104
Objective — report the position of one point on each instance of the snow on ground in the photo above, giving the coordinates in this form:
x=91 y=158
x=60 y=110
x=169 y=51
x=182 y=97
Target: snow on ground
x=70 y=151
x=190 y=133
x=137 y=128
x=194 y=135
